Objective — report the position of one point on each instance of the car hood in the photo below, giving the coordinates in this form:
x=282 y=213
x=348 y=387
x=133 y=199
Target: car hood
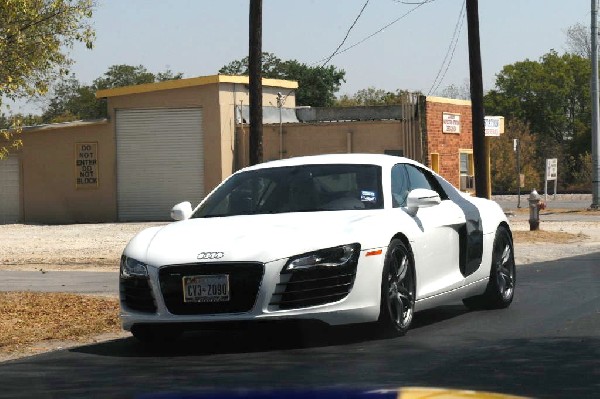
x=261 y=238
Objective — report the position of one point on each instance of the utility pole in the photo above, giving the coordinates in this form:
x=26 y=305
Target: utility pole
x=517 y=148
x=477 y=114
x=255 y=71
x=595 y=106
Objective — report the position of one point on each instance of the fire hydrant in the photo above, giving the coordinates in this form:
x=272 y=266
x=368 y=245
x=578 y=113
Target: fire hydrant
x=535 y=200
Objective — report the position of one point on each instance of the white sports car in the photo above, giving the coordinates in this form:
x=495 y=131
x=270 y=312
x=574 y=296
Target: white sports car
x=349 y=238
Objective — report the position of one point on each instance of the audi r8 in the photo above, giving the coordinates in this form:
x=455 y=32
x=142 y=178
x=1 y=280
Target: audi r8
x=340 y=239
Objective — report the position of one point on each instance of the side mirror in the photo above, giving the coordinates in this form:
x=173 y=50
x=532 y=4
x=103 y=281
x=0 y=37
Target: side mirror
x=182 y=211
x=421 y=198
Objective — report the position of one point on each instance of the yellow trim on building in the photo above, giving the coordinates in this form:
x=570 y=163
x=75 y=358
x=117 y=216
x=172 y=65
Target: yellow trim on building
x=190 y=82
x=443 y=100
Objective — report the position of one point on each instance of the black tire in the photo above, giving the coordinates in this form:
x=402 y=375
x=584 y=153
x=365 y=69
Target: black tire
x=398 y=287
x=500 y=290
x=156 y=335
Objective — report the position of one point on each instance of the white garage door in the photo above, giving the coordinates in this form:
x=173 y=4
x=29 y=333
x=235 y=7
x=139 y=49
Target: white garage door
x=160 y=161
x=9 y=190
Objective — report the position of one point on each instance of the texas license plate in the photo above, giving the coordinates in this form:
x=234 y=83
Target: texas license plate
x=199 y=289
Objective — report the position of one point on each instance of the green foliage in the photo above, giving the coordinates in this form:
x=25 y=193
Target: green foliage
x=552 y=95
x=73 y=101
x=503 y=159
x=372 y=96
x=317 y=85
x=35 y=36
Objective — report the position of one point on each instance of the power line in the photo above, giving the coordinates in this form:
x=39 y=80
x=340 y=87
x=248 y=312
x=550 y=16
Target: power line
x=376 y=32
x=450 y=52
x=347 y=33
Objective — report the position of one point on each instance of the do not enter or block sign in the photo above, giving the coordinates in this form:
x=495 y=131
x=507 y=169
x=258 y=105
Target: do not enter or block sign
x=86 y=165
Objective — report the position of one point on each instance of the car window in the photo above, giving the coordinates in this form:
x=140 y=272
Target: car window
x=420 y=178
x=400 y=186
x=303 y=188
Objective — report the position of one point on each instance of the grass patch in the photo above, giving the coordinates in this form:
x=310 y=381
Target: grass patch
x=544 y=236
x=27 y=318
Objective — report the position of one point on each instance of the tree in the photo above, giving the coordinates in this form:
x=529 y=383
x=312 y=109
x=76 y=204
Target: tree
x=72 y=100
x=552 y=96
x=462 y=92
x=35 y=36
x=373 y=96
x=503 y=161
x=129 y=75
x=317 y=85
x=578 y=40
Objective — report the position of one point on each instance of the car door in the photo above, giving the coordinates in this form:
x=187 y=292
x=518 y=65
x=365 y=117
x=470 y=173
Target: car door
x=436 y=242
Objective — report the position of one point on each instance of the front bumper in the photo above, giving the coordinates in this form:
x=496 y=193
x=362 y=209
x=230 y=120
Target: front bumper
x=360 y=305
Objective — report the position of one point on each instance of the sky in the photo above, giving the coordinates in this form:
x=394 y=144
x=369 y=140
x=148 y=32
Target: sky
x=197 y=37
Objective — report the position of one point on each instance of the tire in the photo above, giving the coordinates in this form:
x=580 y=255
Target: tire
x=500 y=290
x=156 y=335
x=398 y=287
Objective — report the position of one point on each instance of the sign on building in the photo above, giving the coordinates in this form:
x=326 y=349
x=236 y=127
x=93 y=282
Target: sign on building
x=450 y=122
x=86 y=165
x=494 y=126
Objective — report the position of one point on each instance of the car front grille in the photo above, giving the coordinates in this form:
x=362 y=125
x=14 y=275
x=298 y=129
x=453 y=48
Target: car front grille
x=244 y=282
x=136 y=294
x=304 y=288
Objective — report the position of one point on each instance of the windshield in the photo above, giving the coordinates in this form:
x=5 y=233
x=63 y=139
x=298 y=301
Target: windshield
x=304 y=188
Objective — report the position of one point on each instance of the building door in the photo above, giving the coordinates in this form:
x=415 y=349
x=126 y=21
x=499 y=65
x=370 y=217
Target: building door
x=9 y=190
x=160 y=161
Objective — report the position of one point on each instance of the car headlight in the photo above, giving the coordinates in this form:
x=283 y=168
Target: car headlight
x=325 y=258
x=133 y=268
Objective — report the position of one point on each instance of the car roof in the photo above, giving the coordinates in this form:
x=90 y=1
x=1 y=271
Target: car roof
x=368 y=159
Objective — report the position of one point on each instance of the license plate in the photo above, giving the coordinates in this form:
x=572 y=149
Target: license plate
x=201 y=289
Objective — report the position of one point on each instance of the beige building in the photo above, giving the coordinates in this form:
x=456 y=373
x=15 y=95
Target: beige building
x=167 y=142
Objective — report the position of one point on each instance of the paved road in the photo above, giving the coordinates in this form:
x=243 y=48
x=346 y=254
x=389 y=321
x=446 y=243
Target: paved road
x=547 y=344
x=95 y=283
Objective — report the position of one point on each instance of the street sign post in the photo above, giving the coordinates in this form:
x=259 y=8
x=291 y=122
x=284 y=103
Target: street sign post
x=551 y=174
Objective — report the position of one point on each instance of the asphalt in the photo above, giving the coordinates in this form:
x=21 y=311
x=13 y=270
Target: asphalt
x=93 y=283
x=546 y=345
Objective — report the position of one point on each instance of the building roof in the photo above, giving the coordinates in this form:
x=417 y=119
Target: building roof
x=191 y=82
x=64 y=125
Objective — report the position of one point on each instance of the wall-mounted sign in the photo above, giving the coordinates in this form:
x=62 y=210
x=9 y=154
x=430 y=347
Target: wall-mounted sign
x=494 y=126
x=86 y=165
x=450 y=123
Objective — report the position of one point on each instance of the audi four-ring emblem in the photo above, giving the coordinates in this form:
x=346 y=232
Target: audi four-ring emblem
x=210 y=255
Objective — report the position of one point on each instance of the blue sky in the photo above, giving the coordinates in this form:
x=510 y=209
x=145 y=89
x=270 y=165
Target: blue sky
x=197 y=37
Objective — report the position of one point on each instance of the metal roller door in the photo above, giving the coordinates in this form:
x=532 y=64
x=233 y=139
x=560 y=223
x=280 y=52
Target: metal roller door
x=9 y=190
x=160 y=161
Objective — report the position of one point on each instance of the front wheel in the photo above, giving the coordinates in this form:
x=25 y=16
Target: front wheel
x=503 y=275
x=398 y=287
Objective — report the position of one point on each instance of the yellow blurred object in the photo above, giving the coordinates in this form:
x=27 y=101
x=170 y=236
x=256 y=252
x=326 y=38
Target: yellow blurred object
x=441 y=393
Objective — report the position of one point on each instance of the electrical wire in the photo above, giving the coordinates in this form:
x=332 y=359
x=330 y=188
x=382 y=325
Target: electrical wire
x=347 y=33
x=450 y=52
x=420 y=4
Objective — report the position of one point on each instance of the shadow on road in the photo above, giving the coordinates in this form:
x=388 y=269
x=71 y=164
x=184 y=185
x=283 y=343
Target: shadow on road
x=264 y=337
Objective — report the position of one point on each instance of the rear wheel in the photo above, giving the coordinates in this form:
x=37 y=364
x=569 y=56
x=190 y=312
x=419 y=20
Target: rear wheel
x=501 y=286
x=398 y=287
